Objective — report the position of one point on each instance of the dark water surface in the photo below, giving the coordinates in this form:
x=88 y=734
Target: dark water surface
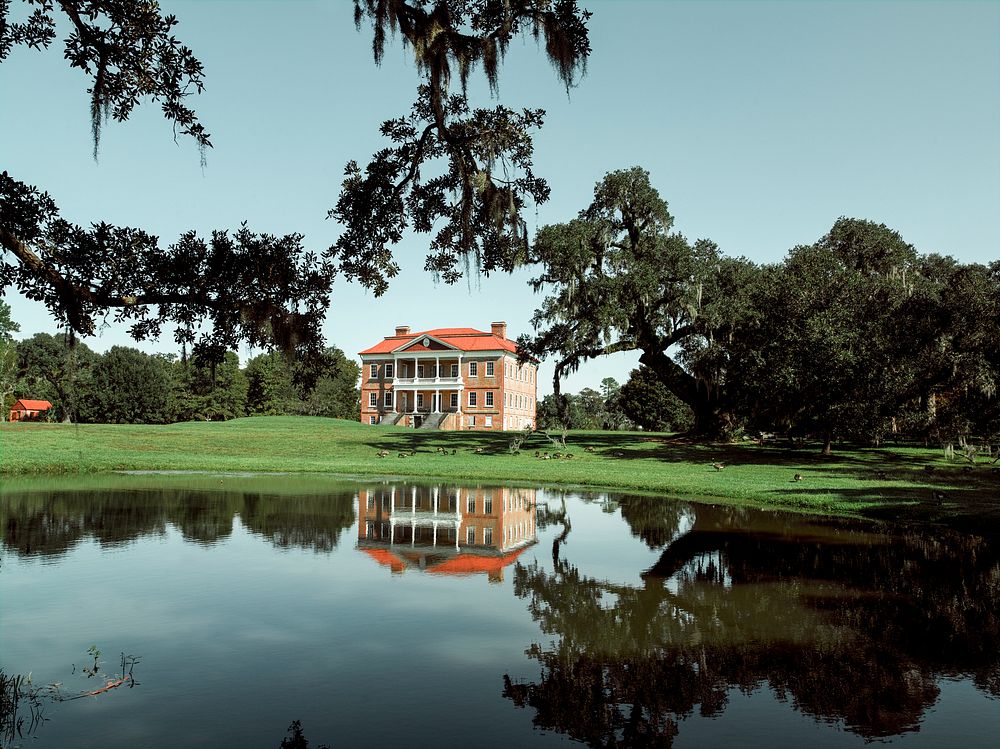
x=388 y=613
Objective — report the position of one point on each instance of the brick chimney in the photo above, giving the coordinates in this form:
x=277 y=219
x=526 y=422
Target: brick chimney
x=499 y=329
x=402 y=330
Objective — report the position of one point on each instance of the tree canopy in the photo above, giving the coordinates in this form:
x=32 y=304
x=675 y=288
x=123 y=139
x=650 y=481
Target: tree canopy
x=242 y=286
x=856 y=335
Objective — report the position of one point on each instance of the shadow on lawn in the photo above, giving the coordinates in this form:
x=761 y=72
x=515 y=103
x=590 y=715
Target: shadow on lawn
x=632 y=446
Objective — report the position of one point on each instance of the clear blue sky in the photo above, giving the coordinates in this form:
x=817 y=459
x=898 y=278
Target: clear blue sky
x=760 y=123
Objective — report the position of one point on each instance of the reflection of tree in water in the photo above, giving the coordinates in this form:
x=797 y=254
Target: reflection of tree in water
x=52 y=523
x=847 y=624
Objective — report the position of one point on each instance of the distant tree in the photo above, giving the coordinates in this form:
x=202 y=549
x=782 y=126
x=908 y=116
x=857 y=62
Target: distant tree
x=8 y=359
x=50 y=368
x=270 y=390
x=131 y=387
x=647 y=402
x=203 y=391
x=336 y=392
x=587 y=410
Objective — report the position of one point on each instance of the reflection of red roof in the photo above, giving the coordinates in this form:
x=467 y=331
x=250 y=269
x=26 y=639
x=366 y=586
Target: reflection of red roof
x=470 y=564
x=387 y=558
x=30 y=405
x=463 y=339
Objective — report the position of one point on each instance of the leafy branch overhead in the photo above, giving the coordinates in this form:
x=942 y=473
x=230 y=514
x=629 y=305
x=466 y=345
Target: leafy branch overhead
x=127 y=49
x=475 y=202
x=250 y=287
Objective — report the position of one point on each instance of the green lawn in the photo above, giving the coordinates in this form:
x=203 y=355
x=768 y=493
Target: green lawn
x=846 y=484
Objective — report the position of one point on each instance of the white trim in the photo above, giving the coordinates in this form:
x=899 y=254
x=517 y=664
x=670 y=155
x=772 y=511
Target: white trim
x=388 y=370
x=489 y=399
x=373 y=399
x=490 y=369
x=373 y=372
x=473 y=400
x=473 y=369
x=420 y=340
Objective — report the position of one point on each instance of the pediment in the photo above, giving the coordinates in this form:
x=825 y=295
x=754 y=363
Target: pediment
x=425 y=343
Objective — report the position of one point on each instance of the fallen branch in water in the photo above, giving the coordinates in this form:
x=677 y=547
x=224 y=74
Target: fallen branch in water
x=112 y=684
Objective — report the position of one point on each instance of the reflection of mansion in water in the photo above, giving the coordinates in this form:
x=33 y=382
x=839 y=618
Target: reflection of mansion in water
x=446 y=529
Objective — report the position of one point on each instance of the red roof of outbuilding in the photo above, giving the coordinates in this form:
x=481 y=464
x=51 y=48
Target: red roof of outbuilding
x=30 y=405
x=463 y=339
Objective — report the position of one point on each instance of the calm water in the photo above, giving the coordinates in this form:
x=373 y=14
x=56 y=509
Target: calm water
x=392 y=613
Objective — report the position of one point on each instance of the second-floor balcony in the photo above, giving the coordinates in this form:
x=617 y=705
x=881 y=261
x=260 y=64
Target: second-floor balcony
x=429 y=382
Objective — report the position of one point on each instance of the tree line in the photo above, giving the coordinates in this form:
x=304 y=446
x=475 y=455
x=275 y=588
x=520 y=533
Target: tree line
x=857 y=335
x=127 y=386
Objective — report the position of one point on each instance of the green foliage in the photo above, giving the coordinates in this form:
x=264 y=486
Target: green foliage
x=8 y=359
x=619 y=280
x=270 y=391
x=647 y=402
x=58 y=369
x=206 y=392
x=463 y=173
x=130 y=387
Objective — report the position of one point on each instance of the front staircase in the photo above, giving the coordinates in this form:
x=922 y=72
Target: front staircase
x=391 y=419
x=433 y=421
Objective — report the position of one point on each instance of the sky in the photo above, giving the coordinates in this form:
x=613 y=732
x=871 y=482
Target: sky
x=760 y=124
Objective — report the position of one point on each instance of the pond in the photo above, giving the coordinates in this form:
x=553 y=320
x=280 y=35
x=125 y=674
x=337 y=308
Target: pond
x=216 y=610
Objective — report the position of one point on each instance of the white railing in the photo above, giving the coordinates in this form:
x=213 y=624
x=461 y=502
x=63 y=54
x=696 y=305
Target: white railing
x=417 y=381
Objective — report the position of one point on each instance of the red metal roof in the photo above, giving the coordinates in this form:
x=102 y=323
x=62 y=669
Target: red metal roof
x=463 y=339
x=470 y=564
x=30 y=405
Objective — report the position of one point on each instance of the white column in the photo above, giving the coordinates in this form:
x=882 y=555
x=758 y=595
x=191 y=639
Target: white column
x=392 y=500
x=437 y=369
x=414 y=404
x=413 y=500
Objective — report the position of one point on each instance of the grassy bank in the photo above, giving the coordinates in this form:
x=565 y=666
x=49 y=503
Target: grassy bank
x=892 y=482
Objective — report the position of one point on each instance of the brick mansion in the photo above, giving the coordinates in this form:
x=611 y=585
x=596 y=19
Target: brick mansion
x=448 y=378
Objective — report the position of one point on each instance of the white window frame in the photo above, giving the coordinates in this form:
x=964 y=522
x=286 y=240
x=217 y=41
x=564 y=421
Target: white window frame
x=371 y=420
x=472 y=421
x=470 y=535
x=470 y=505
x=489 y=369
x=487 y=536
x=489 y=421
x=454 y=400
x=388 y=371
x=372 y=399
x=420 y=400
x=489 y=399
x=373 y=371
x=454 y=370
x=387 y=399
x=420 y=370
x=473 y=369
x=473 y=400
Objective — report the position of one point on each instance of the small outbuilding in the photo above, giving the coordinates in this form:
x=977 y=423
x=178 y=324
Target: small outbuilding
x=29 y=410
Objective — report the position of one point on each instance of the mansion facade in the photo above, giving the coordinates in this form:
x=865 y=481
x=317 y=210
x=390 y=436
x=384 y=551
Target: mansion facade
x=448 y=378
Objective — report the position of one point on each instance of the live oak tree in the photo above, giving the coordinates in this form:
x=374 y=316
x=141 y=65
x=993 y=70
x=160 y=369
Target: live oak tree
x=619 y=280
x=232 y=287
x=247 y=287
x=461 y=173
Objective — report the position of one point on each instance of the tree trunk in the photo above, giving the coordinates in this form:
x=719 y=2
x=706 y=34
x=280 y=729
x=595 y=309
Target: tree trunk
x=710 y=420
x=828 y=442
